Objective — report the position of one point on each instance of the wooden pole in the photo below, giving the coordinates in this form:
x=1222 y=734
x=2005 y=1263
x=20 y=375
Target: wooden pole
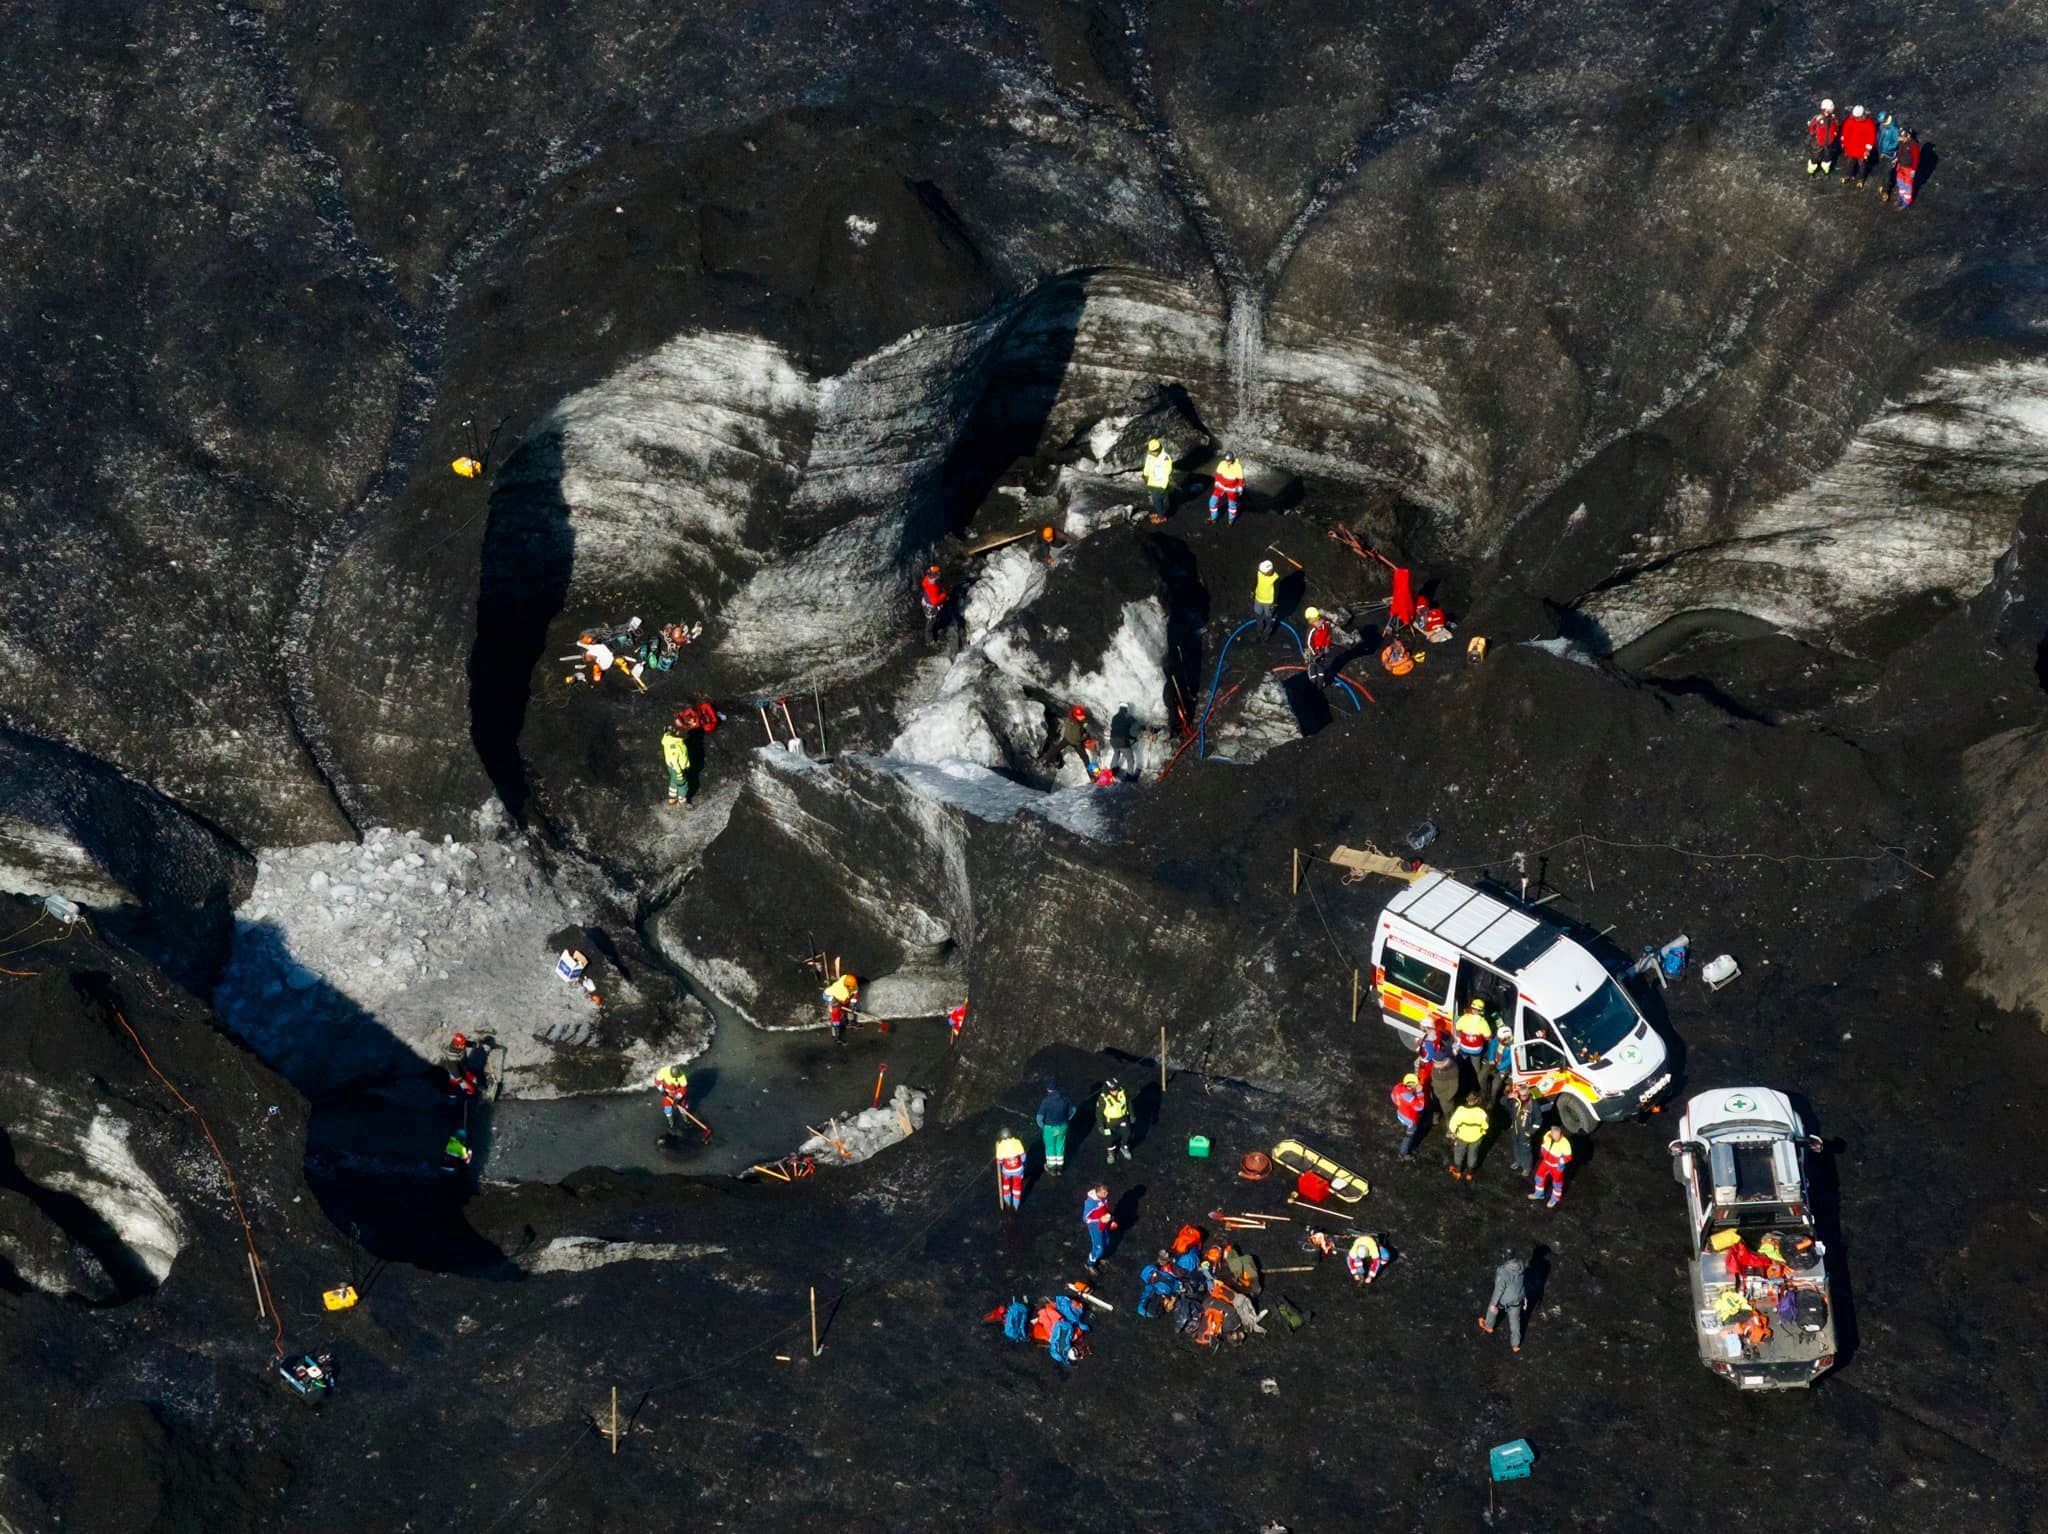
x=1308 y=1269
x=1354 y=996
x=1294 y=879
x=257 y=1285
x=615 y=1419
x=1162 y=1058
x=815 y=1349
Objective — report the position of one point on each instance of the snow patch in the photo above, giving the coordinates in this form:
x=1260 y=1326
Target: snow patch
x=1563 y=649
x=1924 y=499
x=1264 y=721
x=113 y=1183
x=356 y=961
x=579 y=1254
x=860 y=230
x=35 y=860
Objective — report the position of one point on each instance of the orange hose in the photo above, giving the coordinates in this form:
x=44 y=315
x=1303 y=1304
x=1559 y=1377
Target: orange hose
x=248 y=1235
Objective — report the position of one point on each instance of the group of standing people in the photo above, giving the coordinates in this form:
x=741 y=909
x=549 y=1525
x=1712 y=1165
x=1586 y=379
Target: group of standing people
x=1226 y=488
x=1475 y=1043
x=1318 y=646
x=1864 y=142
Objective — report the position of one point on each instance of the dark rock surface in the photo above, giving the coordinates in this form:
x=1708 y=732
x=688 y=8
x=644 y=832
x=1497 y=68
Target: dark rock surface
x=753 y=309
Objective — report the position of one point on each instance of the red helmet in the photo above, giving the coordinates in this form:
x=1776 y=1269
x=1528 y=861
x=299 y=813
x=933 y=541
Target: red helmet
x=460 y=1041
x=1079 y=712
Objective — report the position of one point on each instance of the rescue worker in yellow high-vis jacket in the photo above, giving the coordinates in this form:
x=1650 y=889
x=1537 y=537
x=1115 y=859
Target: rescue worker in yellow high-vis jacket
x=1264 y=589
x=1158 y=478
x=675 y=755
x=1115 y=1104
x=1467 y=1127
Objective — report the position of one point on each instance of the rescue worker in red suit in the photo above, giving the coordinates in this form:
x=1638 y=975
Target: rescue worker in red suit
x=1824 y=130
x=1317 y=649
x=1553 y=1155
x=461 y=1079
x=1010 y=1171
x=1411 y=1103
x=1908 y=162
x=934 y=598
x=1859 y=144
x=1228 y=487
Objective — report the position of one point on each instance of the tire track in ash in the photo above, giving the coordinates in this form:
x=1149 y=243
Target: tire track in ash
x=422 y=335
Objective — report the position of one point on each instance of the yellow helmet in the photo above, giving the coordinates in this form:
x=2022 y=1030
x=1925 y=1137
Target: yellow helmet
x=1152 y=446
x=1411 y=1080
x=1312 y=613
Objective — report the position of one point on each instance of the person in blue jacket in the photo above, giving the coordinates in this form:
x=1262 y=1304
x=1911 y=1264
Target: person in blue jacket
x=1055 y=1113
x=1887 y=151
x=1066 y=1331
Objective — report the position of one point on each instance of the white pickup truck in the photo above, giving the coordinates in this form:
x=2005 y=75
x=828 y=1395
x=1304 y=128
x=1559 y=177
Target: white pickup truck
x=1761 y=1306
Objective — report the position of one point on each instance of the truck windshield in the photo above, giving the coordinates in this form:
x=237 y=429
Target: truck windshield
x=1598 y=1023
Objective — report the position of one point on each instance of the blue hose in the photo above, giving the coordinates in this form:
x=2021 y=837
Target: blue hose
x=1216 y=682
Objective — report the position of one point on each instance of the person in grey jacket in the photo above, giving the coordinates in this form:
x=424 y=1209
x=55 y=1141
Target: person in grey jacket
x=1525 y=1123
x=1509 y=1296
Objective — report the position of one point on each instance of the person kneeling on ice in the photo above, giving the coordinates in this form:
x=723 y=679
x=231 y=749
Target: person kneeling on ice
x=675 y=1093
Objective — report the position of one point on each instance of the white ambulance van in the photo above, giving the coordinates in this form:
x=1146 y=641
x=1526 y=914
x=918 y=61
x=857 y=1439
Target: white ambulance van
x=1577 y=1036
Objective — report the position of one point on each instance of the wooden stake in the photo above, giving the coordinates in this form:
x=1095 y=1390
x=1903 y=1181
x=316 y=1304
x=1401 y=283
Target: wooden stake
x=1328 y=1214
x=1162 y=1058
x=256 y=1284
x=1294 y=879
x=1354 y=996
x=815 y=1349
x=615 y=1419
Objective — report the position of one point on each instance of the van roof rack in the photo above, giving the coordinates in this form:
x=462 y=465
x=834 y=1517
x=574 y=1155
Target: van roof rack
x=1484 y=925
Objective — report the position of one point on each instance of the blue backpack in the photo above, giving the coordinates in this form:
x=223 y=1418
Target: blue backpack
x=1017 y=1322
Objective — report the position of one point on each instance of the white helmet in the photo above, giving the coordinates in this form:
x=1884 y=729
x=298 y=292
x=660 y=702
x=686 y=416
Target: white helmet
x=1827 y=106
x=1855 y=111
x=1265 y=567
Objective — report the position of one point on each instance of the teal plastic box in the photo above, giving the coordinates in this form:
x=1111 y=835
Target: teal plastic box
x=1510 y=1461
